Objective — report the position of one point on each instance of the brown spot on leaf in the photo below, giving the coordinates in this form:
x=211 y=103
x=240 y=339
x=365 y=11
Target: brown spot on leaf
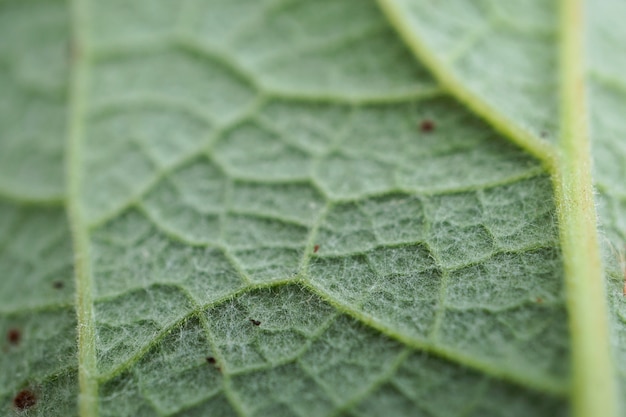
x=539 y=300
x=24 y=399
x=255 y=322
x=14 y=336
x=316 y=248
x=211 y=360
x=427 y=125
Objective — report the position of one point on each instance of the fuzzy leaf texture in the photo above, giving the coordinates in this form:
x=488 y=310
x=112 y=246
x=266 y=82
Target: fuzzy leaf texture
x=303 y=208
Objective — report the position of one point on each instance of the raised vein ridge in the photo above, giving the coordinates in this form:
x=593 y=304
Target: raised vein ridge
x=593 y=391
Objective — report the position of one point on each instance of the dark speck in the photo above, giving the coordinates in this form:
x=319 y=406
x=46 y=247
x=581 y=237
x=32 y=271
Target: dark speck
x=255 y=322
x=316 y=248
x=24 y=399
x=57 y=285
x=427 y=125
x=539 y=300
x=211 y=360
x=14 y=336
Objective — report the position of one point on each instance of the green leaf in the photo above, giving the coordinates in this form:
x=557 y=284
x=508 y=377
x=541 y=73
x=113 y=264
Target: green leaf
x=276 y=210
x=540 y=49
x=37 y=317
x=33 y=80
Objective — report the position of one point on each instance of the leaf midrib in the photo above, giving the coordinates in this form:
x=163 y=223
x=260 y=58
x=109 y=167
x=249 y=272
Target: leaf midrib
x=593 y=390
x=593 y=387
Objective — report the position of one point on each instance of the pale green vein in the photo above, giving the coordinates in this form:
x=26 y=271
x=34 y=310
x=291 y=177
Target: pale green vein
x=593 y=391
x=87 y=365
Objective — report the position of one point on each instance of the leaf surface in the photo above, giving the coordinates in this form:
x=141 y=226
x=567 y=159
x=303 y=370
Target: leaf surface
x=34 y=48
x=264 y=223
x=37 y=318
